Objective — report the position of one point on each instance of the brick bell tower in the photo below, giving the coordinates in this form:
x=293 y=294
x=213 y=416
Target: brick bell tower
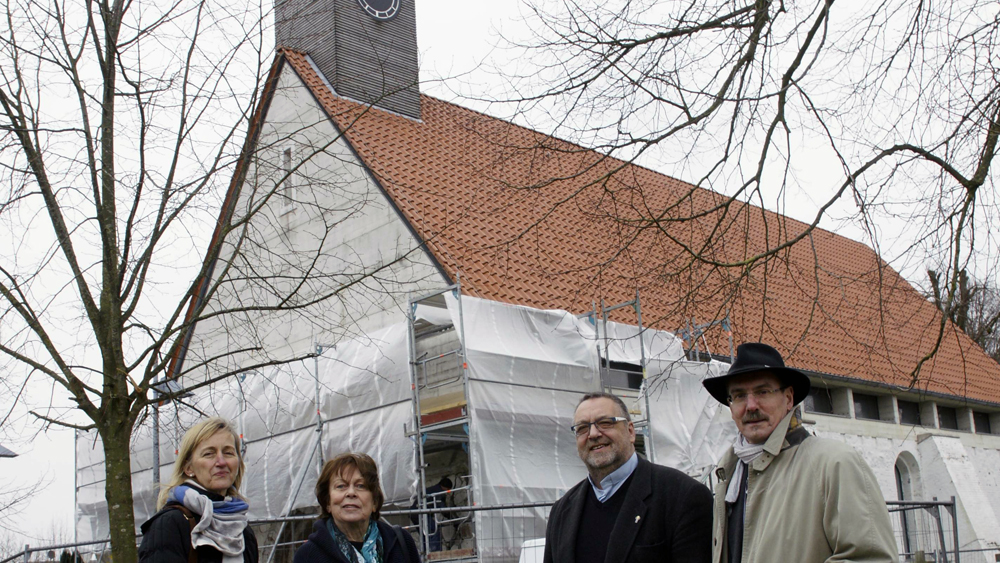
x=366 y=49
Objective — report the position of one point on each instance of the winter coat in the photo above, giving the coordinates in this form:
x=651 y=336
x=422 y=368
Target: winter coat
x=166 y=538
x=322 y=548
x=809 y=502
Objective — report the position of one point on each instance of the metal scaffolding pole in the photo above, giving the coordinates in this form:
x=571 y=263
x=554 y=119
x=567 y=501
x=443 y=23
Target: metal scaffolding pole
x=317 y=446
x=650 y=451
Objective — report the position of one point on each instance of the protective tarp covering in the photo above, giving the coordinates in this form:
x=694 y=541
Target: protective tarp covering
x=623 y=345
x=363 y=393
x=690 y=429
x=527 y=369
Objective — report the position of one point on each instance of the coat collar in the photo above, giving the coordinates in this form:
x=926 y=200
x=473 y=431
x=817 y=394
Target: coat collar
x=777 y=441
x=324 y=541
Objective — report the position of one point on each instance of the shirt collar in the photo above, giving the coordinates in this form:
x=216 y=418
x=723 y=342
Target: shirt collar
x=613 y=481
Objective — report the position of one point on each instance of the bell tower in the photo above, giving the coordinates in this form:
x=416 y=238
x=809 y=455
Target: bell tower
x=366 y=49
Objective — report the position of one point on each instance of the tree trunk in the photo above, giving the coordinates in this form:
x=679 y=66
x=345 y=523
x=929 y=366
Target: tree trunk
x=118 y=488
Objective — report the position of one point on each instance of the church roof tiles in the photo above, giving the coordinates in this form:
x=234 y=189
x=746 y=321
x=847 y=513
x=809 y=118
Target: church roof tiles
x=532 y=220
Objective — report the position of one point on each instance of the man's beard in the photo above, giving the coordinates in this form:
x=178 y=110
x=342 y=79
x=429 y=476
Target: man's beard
x=610 y=455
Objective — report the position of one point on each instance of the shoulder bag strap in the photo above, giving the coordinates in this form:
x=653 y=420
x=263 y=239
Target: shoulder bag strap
x=192 y=521
x=402 y=542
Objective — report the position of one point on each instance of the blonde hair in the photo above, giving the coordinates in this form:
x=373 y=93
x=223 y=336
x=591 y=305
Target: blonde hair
x=189 y=443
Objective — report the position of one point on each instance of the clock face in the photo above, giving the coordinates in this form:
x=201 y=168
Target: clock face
x=381 y=9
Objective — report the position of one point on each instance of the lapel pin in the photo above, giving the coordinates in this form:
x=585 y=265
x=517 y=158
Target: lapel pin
x=637 y=519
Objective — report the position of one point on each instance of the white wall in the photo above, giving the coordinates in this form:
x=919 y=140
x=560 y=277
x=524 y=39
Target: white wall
x=948 y=463
x=337 y=223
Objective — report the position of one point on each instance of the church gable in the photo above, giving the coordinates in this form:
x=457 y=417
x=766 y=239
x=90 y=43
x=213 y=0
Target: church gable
x=312 y=243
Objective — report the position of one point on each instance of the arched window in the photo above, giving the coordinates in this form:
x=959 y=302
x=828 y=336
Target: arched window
x=908 y=488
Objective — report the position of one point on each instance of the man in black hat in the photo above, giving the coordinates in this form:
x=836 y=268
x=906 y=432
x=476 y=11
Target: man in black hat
x=783 y=494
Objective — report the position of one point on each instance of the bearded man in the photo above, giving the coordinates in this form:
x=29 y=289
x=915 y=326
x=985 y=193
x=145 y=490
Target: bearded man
x=783 y=494
x=627 y=509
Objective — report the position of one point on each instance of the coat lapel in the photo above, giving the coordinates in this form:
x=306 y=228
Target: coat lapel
x=633 y=511
x=566 y=550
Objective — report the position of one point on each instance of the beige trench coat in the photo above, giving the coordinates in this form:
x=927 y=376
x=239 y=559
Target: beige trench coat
x=809 y=503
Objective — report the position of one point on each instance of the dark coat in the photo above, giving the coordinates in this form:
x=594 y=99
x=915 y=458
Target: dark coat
x=666 y=517
x=166 y=538
x=322 y=548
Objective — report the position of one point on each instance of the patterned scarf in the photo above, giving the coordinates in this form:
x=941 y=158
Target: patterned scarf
x=371 y=549
x=221 y=524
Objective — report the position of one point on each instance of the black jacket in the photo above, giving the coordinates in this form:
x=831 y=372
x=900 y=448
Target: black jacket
x=166 y=538
x=666 y=517
x=322 y=548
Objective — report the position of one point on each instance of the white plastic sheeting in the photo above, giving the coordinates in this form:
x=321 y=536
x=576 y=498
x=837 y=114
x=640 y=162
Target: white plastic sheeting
x=690 y=429
x=527 y=370
x=364 y=401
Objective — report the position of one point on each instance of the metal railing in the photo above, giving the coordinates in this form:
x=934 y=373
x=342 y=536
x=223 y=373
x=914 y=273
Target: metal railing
x=925 y=531
x=100 y=548
x=492 y=534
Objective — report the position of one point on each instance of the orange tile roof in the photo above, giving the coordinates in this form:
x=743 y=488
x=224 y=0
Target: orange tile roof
x=535 y=221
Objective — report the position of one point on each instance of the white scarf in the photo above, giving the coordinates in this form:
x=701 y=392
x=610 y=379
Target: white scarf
x=223 y=531
x=747 y=453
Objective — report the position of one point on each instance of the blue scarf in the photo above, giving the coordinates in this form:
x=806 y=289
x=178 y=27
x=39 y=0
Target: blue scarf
x=371 y=549
x=231 y=505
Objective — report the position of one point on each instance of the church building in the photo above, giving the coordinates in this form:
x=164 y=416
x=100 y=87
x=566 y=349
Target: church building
x=407 y=202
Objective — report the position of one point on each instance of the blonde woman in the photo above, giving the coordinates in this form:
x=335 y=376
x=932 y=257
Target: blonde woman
x=202 y=517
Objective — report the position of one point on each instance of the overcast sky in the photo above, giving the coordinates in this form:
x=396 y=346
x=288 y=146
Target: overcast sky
x=454 y=38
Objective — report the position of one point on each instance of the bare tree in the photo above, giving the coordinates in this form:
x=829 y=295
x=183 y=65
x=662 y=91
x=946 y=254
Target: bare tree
x=885 y=115
x=975 y=310
x=123 y=127
x=14 y=497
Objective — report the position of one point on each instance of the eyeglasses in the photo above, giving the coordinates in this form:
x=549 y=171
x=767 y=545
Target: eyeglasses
x=740 y=397
x=583 y=428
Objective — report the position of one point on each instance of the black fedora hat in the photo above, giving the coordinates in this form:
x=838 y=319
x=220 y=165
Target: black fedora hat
x=753 y=357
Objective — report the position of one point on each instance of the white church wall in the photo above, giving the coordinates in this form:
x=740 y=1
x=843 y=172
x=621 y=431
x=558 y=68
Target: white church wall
x=947 y=463
x=335 y=220
x=987 y=463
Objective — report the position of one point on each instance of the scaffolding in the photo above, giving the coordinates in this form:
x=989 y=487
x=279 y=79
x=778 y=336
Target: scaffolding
x=628 y=381
x=478 y=391
x=494 y=388
x=441 y=423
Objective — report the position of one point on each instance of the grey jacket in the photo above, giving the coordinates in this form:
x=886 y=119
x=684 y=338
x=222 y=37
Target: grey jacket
x=813 y=502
